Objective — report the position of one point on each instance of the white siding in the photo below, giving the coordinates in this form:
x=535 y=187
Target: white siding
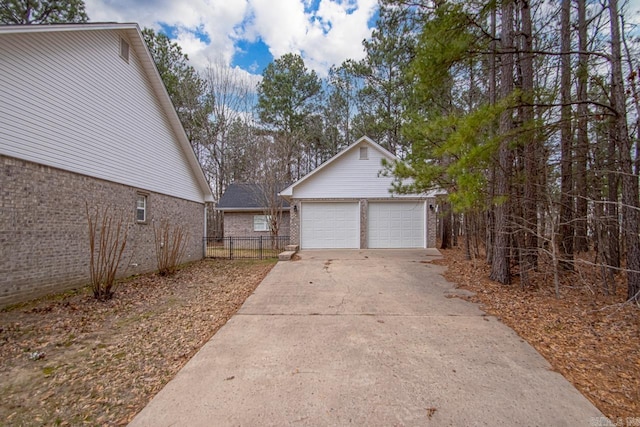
x=348 y=177
x=68 y=100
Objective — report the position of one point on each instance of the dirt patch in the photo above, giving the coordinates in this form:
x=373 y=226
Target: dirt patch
x=70 y=360
x=589 y=337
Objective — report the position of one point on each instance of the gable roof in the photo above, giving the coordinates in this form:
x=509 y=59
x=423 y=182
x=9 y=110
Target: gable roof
x=245 y=197
x=288 y=192
x=138 y=45
x=341 y=177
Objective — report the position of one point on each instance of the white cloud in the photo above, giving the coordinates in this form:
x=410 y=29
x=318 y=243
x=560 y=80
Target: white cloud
x=326 y=36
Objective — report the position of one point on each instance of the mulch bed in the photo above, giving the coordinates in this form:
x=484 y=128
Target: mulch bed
x=591 y=338
x=71 y=360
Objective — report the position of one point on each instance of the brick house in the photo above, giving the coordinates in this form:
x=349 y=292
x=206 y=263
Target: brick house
x=85 y=120
x=246 y=212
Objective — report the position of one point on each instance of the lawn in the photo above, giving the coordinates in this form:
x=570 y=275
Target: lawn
x=69 y=360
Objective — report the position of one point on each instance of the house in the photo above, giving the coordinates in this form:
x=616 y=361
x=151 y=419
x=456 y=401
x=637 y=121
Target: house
x=249 y=210
x=346 y=203
x=85 y=121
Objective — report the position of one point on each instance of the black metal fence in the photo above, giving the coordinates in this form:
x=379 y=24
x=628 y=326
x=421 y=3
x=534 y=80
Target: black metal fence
x=259 y=247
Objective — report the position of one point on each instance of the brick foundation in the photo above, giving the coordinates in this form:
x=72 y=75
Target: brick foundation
x=44 y=244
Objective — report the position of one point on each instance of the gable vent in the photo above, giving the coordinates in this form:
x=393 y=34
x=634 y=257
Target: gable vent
x=124 y=49
x=364 y=153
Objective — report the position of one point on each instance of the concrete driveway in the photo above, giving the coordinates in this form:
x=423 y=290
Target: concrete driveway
x=365 y=338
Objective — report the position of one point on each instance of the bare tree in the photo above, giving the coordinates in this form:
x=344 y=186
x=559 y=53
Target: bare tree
x=582 y=137
x=231 y=97
x=630 y=203
x=566 y=139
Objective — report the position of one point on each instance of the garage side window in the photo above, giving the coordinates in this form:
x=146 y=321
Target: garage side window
x=141 y=208
x=261 y=222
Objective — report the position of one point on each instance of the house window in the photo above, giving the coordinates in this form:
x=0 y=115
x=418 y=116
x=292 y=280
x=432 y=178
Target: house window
x=141 y=208
x=124 y=49
x=364 y=153
x=261 y=222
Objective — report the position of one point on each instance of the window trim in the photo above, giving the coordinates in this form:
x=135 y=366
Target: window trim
x=364 y=153
x=265 y=221
x=145 y=209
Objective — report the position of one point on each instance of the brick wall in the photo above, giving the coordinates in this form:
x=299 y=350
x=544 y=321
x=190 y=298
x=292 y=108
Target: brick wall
x=240 y=224
x=294 y=223
x=44 y=244
x=431 y=222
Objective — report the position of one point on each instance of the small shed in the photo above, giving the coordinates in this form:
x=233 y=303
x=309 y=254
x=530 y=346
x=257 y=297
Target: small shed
x=250 y=210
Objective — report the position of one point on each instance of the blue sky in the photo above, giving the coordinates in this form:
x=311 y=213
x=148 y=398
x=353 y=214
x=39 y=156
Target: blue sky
x=249 y=34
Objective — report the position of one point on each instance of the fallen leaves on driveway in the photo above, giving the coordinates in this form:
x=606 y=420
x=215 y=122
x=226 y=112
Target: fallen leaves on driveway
x=70 y=360
x=589 y=337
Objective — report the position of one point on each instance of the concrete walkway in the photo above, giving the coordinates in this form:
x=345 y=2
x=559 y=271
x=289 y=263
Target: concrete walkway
x=365 y=338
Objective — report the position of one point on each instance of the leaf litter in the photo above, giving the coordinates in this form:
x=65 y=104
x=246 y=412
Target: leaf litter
x=69 y=359
x=590 y=337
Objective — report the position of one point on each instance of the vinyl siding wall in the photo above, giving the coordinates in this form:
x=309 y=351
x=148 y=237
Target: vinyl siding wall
x=70 y=101
x=349 y=177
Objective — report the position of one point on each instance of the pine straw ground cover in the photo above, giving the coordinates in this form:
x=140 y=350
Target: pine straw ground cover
x=591 y=338
x=71 y=360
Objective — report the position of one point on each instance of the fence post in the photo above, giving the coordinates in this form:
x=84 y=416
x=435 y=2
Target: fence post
x=260 y=246
x=230 y=247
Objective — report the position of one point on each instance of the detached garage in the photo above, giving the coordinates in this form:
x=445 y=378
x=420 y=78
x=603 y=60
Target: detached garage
x=346 y=203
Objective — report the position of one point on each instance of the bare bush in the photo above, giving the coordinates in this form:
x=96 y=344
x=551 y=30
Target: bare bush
x=107 y=241
x=171 y=244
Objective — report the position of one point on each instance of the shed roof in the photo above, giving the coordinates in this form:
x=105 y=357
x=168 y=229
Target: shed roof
x=247 y=197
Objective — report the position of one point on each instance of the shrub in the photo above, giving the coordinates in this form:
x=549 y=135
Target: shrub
x=171 y=244
x=107 y=240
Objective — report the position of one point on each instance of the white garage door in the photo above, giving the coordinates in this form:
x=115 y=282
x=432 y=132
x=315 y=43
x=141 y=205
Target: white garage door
x=330 y=225
x=396 y=225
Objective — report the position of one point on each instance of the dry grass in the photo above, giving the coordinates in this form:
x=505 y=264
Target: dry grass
x=72 y=360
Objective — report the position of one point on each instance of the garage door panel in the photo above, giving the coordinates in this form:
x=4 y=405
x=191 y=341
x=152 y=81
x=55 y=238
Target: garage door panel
x=330 y=225
x=396 y=225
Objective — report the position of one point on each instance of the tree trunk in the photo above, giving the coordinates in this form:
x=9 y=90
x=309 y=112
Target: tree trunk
x=530 y=202
x=630 y=203
x=566 y=142
x=446 y=226
x=613 y=230
x=456 y=229
x=467 y=237
x=582 y=141
x=490 y=223
x=500 y=268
